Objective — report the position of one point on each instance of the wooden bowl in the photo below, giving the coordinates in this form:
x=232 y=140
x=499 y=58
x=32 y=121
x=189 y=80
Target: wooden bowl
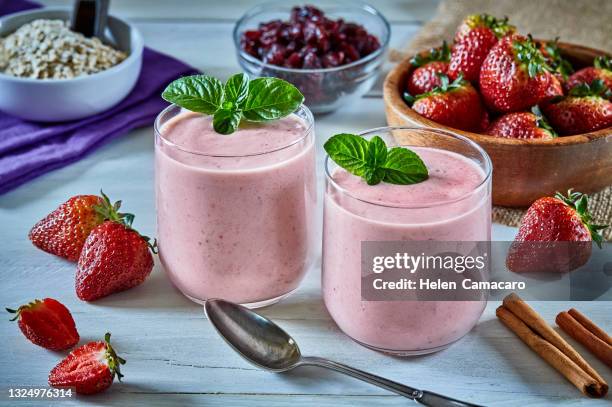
x=524 y=170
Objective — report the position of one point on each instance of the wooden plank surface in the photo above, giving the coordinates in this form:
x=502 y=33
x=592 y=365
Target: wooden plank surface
x=174 y=356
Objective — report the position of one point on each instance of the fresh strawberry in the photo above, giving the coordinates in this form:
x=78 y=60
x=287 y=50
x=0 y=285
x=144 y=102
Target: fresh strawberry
x=64 y=231
x=560 y=67
x=545 y=233
x=499 y=27
x=515 y=76
x=585 y=109
x=455 y=104
x=427 y=67
x=522 y=125
x=114 y=258
x=47 y=323
x=601 y=69
x=473 y=41
x=88 y=369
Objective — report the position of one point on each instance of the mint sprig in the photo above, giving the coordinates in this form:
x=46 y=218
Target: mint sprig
x=259 y=100
x=374 y=161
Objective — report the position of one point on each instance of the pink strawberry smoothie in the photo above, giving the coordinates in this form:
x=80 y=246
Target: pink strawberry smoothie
x=356 y=212
x=235 y=212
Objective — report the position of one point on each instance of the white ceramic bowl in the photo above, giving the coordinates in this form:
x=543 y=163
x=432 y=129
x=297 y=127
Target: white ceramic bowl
x=53 y=100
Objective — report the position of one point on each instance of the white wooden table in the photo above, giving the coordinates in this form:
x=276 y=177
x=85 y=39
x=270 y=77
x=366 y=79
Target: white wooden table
x=174 y=356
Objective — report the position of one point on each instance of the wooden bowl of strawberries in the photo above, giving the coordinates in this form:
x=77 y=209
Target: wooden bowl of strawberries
x=541 y=109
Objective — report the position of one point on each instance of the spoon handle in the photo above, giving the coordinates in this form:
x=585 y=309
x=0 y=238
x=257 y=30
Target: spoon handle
x=422 y=397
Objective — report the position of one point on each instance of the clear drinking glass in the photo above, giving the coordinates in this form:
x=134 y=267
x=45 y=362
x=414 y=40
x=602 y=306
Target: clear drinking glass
x=355 y=212
x=237 y=227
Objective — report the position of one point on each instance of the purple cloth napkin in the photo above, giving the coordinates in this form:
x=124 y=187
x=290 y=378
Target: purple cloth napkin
x=28 y=149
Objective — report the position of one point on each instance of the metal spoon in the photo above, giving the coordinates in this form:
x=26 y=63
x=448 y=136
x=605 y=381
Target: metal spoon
x=267 y=346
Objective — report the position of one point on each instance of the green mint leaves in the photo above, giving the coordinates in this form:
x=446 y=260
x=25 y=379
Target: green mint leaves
x=259 y=100
x=374 y=162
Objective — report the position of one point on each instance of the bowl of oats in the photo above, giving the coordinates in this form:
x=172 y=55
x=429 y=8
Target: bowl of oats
x=50 y=73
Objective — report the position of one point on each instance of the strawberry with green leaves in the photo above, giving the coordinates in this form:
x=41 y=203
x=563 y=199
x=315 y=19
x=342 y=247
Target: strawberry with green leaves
x=473 y=40
x=427 y=66
x=114 y=258
x=515 y=76
x=586 y=108
x=88 y=369
x=522 y=125
x=47 y=323
x=601 y=69
x=455 y=104
x=555 y=235
x=63 y=231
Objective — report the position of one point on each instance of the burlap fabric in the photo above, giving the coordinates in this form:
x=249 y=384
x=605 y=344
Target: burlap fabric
x=585 y=22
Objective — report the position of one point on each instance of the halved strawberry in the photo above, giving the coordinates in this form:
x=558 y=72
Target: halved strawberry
x=47 y=323
x=427 y=67
x=88 y=369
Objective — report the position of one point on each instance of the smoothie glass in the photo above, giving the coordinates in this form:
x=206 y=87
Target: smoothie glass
x=235 y=216
x=452 y=205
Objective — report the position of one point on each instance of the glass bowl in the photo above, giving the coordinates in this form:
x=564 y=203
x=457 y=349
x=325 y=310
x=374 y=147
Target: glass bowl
x=325 y=89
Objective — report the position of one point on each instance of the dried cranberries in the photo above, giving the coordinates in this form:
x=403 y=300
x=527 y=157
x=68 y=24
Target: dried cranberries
x=309 y=40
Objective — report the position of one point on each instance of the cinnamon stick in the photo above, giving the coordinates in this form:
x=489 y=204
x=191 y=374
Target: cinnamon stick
x=551 y=354
x=528 y=315
x=527 y=324
x=590 y=325
x=601 y=348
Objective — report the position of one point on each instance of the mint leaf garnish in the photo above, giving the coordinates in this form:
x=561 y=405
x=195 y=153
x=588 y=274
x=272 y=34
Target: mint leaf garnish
x=237 y=88
x=349 y=152
x=270 y=99
x=198 y=93
x=226 y=121
x=260 y=100
x=374 y=162
x=404 y=167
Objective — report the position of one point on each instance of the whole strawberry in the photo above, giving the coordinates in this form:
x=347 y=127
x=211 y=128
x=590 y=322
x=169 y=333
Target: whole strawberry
x=114 y=258
x=473 y=40
x=514 y=76
x=455 y=104
x=88 y=369
x=427 y=67
x=601 y=69
x=47 y=323
x=522 y=125
x=63 y=231
x=586 y=108
x=555 y=235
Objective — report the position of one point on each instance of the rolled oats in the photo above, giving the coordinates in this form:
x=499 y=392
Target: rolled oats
x=48 y=49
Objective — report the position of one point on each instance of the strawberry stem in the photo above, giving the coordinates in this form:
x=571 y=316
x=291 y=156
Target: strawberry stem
x=111 y=212
x=113 y=360
x=528 y=54
x=435 y=54
x=580 y=202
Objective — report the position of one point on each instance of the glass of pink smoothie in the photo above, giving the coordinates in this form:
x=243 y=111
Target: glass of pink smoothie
x=453 y=204
x=235 y=212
